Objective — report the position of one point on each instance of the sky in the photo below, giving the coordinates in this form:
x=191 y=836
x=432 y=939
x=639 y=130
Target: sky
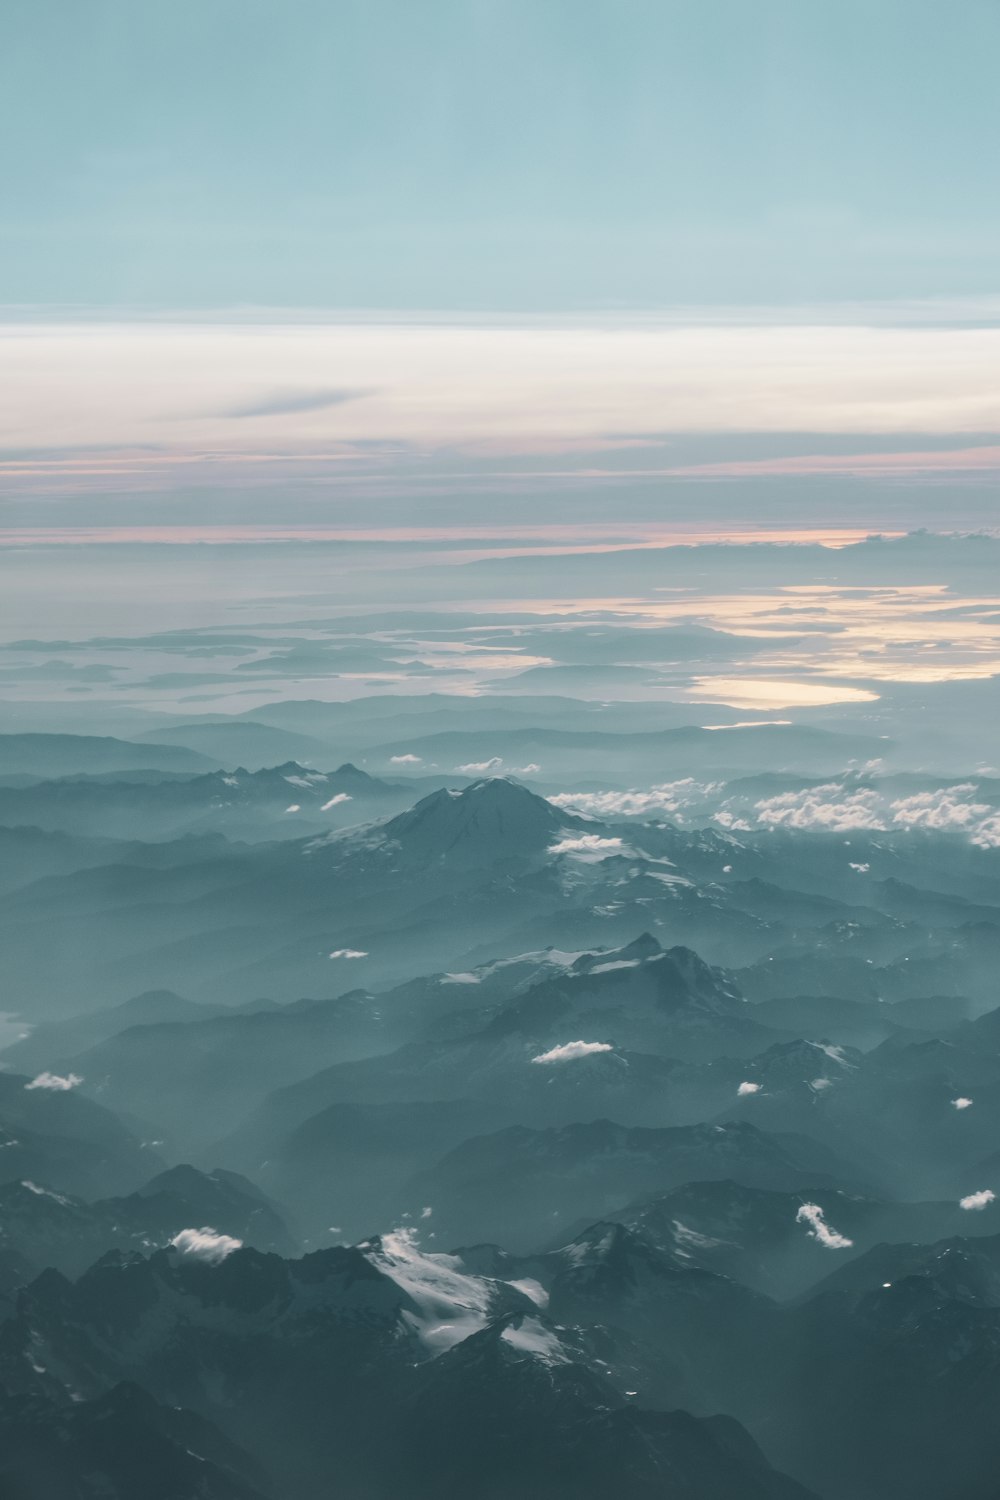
x=498 y=154
x=291 y=262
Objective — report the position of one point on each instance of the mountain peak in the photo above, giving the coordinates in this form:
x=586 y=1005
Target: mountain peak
x=641 y=949
x=350 y=772
x=490 y=820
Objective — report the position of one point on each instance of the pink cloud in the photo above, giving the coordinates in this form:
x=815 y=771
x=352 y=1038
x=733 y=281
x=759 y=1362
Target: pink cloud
x=864 y=465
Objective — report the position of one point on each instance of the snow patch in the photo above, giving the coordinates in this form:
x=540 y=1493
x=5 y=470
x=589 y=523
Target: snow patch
x=571 y=1050
x=683 y=1235
x=449 y=1305
x=532 y=1289
x=41 y=1192
x=529 y=1336
x=835 y=1054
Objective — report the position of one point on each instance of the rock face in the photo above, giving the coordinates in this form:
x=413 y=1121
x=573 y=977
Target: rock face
x=298 y=1362
x=115 y=1447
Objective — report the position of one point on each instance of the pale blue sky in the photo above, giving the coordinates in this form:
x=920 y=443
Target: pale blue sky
x=532 y=154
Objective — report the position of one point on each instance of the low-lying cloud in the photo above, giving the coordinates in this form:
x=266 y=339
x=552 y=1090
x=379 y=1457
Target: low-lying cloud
x=974 y=1201
x=206 y=1244
x=831 y=807
x=55 y=1082
x=588 y=846
x=819 y=1229
x=336 y=801
x=670 y=798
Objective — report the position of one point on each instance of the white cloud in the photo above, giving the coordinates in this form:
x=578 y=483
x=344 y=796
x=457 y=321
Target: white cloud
x=570 y=1050
x=348 y=953
x=833 y=807
x=531 y=769
x=836 y=808
x=860 y=869
x=425 y=1213
x=335 y=801
x=206 y=1244
x=962 y=1102
x=987 y=835
x=731 y=822
x=405 y=760
x=56 y=1083
x=812 y=1214
x=978 y=1200
x=670 y=797
x=746 y=1088
x=481 y=767
x=830 y=807
x=588 y=846
x=950 y=809
x=293 y=808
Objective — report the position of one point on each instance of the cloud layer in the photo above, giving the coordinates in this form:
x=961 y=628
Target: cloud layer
x=833 y=807
x=255 y=389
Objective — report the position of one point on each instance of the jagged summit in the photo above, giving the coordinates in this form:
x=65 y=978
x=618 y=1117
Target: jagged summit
x=349 y=771
x=641 y=949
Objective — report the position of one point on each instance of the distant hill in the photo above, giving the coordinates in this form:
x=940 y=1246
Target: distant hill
x=657 y=754
x=65 y=754
x=242 y=742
